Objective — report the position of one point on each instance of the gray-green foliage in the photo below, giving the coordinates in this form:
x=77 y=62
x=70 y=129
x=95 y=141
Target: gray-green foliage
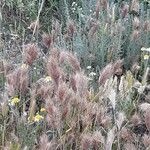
x=112 y=39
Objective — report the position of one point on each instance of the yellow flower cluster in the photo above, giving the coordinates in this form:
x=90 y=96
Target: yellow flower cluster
x=37 y=117
x=24 y=66
x=146 y=57
x=14 y=101
x=48 y=79
x=146 y=50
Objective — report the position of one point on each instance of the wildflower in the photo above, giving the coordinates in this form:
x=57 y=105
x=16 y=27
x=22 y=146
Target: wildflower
x=92 y=74
x=24 y=66
x=38 y=117
x=24 y=114
x=48 y=79
x=145 y=49
x=146 y=57
x=14 y=101
x=88 y=67
x=89 y=79
x=42 y=110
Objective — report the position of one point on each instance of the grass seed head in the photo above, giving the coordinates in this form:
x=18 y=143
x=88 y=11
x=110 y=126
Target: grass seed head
x=30 y=53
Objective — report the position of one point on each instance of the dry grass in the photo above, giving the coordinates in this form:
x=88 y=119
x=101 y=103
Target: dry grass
x=51 y=100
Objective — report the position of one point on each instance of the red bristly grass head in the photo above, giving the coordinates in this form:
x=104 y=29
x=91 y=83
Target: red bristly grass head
x=55 y=53
x=86 y=141
x=97 y=9
x=54 y=115
x=17 y=80
x=71 y=28
x=126 y=134
x=136 y=23
x=147 y=119
x=45 y=144
x=124 y=10
x=135 y=6
x=146 y=26
x=135 y=120
x=71 y=59
x=93 y=30
x=53 y=69
x=146 y=140
x=135 y=35
x=47 y=40
x=5 y=67
x=30 y=53
x=44 y=89
x=23 y=79
x=11 y=83
x=106 y=73
x=81 y=82
x=104 y=4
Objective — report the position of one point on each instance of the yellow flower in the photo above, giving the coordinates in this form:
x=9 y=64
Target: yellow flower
x=14 y=101
x=48 y=79
x=24 y=66
x=146 y=57
x=42 y=110
x=38 y=117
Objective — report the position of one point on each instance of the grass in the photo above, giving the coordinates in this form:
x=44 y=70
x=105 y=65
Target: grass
x=74 y=81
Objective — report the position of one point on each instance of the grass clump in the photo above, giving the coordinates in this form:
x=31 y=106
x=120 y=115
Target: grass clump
x=81 y=83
